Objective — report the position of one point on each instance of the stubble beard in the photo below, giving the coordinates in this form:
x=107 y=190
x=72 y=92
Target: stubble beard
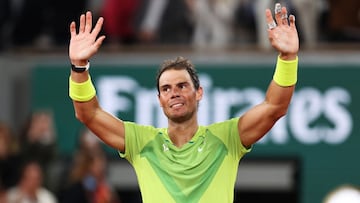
x=181 y=118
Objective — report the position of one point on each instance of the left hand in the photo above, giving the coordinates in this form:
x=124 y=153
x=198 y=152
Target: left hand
x=284 y=36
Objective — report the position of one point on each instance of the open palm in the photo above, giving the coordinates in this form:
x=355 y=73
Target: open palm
x=85 y=43
x=284 y=37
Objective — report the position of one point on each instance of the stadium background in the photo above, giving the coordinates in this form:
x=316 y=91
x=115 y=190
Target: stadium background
x=312 y=151
x=289 y=165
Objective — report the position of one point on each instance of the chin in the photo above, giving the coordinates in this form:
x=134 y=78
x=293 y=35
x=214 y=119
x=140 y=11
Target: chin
x=180 y=118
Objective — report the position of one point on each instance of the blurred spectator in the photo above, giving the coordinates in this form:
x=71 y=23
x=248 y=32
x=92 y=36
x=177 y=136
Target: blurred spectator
x=309 y=14
x=33 y=20
x=96 y=7
x=86 y=181
x=119 y=24
x=3 y=198
x=344 y=20
x=4 y=17
x=151 y=20
x=175 y=26
x=146 y=21
x=64 y=11
x=245 y=25
x=29 y=188
x=44 y=23
x=307 y=19
x=9 y=158
x=103 y=192
x=213 y=22
x=88 y=142
x=38 y=139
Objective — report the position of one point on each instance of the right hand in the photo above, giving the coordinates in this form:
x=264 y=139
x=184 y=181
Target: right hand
x=84 y=44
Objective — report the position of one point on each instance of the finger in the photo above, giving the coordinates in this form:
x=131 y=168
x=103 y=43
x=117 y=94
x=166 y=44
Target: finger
x=268 y=15
x=88 y=25
x=284 y=16
x=98 y=26
x=292 y=20
x=82 y=23
x=99 y=41
x=72 y=29
x=277 y=13
x=269 y=19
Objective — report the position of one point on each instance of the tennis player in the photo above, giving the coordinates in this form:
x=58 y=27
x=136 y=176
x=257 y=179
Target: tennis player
x=184 y=162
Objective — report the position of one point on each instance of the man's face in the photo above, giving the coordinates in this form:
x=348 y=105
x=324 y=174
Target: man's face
x=32 y=178
x=177 y=96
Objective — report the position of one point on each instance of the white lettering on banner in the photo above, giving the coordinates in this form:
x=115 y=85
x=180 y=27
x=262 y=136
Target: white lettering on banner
x=309 y=105
x=313 y=117
x=109 y=89
x=148 y=110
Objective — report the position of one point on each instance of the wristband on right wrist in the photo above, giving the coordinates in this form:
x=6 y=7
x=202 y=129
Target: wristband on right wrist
x=286 y=72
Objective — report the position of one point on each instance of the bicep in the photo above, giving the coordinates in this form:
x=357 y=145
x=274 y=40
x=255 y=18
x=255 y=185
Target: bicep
x=255 y=123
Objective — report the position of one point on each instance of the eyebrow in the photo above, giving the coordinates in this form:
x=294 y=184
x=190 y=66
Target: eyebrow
x=164 y=86
x=177 y=84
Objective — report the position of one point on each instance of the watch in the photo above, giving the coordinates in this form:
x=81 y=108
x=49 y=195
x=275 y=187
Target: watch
x=80 y=69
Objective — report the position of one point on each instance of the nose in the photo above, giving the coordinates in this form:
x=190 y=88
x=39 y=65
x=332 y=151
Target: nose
x=175 y=92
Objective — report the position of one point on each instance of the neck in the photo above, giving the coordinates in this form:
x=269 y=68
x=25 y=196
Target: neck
x=182 y=133
x=30 y=192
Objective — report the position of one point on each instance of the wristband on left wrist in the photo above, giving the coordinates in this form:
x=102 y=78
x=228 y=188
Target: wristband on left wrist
x=286 y=72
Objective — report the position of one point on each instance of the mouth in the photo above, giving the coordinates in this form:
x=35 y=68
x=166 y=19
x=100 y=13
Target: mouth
x=176 y=105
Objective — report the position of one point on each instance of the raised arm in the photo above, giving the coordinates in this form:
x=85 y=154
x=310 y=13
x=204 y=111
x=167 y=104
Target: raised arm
x=83 y=45
x=283 y=36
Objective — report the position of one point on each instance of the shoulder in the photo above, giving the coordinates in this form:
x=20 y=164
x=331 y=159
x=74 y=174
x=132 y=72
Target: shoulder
x=134 y=127
x=227 y=124
x=227 y=130
x=46 y=196
x=12 y=193
x=137 y=133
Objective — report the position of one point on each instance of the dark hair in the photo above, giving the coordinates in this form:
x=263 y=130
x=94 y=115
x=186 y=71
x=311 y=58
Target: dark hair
x=179 y=63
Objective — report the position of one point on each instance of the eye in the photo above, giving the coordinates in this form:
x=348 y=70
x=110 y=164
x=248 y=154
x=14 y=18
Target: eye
x=182 y=86
x=165 y=89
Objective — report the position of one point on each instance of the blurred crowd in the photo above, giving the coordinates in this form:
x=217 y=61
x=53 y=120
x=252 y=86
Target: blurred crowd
x=28 y=155
x=199 y=23
x=27 y=161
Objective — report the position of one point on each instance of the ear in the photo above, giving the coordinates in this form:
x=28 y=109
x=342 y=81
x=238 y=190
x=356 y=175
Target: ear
x=199 y=94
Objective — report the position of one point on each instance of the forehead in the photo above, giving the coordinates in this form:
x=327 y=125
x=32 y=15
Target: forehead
x=174 y=76
x=32 y=169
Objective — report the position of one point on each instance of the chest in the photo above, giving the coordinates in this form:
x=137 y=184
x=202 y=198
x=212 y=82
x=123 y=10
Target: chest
x=195 y=157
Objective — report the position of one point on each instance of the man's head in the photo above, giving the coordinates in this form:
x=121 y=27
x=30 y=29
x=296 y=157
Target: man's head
x=31 y=177
x=179 y=63
x=179 y=90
